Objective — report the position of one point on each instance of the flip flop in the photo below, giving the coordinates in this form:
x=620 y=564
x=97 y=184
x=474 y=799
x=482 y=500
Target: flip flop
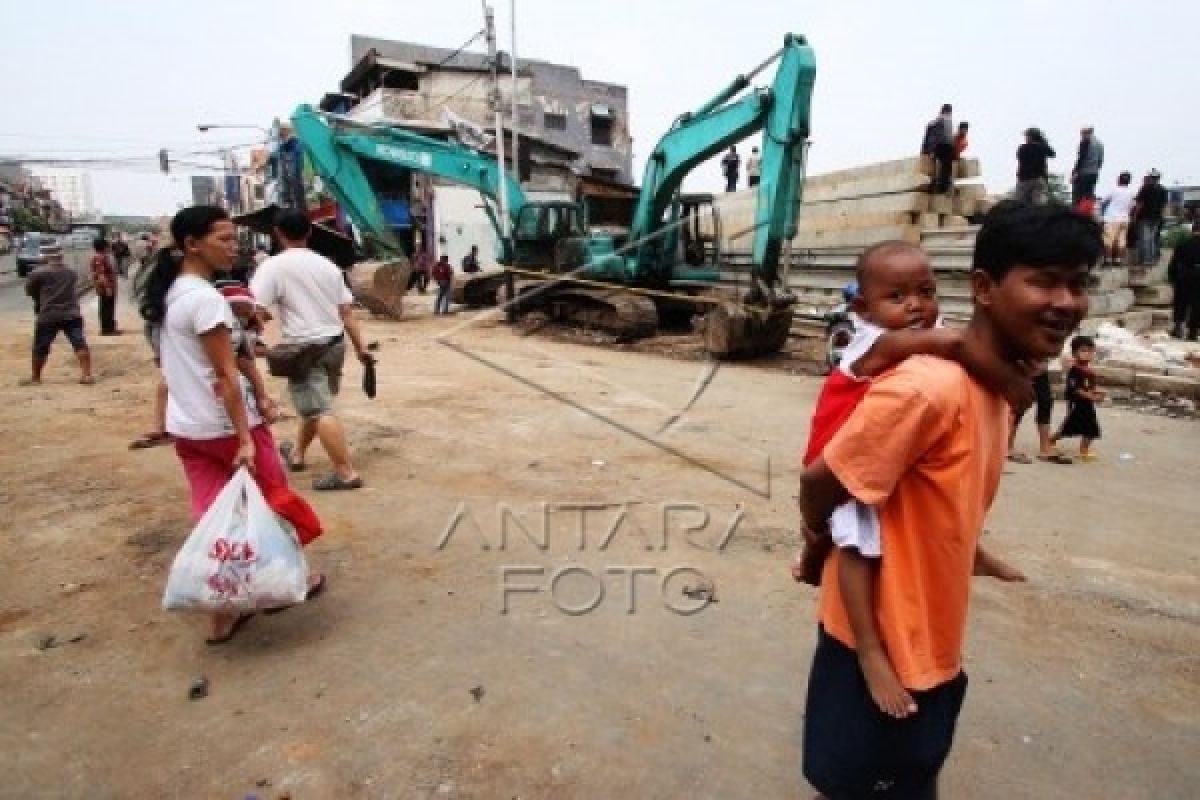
x=286 y=449
x=233 y=629
x=334 y=483
x=1056 y=458
x=313 y=591
x=147 y=440
x=88 y=381
x=1019 y=458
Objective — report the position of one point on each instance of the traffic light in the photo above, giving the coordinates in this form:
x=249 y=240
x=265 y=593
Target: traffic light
x=163 y=163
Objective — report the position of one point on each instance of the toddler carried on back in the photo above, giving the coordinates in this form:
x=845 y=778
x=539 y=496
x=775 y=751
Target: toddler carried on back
x=896 y=316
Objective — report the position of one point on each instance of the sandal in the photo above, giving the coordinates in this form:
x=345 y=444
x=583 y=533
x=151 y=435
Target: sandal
x=285 y=450
x=153 y=439
x=87 y=381
x=233 y=629
x=1019 y=458
x=314 y=590
x=335 y=483
x=1056 y=458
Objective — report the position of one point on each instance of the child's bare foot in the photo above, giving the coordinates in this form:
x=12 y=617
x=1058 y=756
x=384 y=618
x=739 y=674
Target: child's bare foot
x=807 y=566
x=885 y=688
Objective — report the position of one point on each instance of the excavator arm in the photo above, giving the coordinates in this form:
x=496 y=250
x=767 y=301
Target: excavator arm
x=336 y=144
x=781 y=112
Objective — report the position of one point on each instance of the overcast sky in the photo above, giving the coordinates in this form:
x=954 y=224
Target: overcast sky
x=125 y=77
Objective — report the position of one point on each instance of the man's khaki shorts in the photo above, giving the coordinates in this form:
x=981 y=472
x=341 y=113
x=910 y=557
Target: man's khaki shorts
x=313 y=396
x=1114 y=235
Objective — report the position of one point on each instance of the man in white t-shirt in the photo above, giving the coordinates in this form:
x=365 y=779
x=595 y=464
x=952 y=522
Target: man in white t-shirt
x=314 y=307
x=1116 y=209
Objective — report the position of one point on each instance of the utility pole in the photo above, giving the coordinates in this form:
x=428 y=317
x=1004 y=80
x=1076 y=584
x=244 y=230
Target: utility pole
x=502 y=189
x=512 y=19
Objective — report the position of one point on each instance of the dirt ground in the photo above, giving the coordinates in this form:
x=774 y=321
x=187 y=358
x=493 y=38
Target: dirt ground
x=406 y=679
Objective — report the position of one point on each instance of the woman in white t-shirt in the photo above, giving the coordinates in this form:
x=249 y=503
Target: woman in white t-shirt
x=213 y=415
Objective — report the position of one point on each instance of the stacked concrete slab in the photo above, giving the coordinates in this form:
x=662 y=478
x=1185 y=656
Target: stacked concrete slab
x=844 y=212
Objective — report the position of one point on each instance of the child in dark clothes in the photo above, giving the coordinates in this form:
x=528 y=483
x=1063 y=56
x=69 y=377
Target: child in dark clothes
x=1081 y=395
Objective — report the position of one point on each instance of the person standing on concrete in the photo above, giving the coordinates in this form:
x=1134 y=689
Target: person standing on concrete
x=104 y=279
x=470 y=262
x=938 y=144
x=54 y=289
x=1087 y=166
x=960 y=140
x=443 y=275
x=1183 y=273
x=1032 y=172
x=753 y=168
x=1115 y=211
x=315 y=308
x=1148 y=207
x=730 y=165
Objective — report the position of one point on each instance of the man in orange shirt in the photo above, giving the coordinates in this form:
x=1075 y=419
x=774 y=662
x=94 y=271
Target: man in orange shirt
x=926 y=447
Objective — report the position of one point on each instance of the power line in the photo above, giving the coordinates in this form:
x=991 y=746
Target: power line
x=461 y=47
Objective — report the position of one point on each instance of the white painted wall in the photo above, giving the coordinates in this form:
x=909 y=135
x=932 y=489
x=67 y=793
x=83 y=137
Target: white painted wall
x=462 y=222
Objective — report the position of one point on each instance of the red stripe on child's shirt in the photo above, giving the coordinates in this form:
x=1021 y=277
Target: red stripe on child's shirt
x=840 y=395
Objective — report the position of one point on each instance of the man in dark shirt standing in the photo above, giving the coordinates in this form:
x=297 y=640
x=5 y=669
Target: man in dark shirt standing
x=53 y=288
x=1148 y=208
x=1087 y=166
x=1184 y=275
x=938 y=144
x=470 y=262
x=1032 y=175
x=731 y=164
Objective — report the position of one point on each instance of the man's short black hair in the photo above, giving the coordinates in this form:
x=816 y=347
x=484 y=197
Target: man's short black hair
x=1036 y=236
x=295 y=225
x=100 y=244
x=1124 y=179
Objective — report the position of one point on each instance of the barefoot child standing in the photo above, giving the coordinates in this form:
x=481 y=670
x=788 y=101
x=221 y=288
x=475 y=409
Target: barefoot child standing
x=1082 y=394
x=926 y=448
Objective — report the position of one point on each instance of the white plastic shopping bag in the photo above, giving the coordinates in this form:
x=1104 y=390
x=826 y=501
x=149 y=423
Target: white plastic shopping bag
x=239 y=557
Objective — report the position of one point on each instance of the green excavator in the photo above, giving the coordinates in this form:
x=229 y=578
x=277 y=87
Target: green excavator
x=669 y=263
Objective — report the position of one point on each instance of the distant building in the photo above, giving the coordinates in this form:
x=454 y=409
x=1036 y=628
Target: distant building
x=71 y=187
x=574 y=133
x=405 y=82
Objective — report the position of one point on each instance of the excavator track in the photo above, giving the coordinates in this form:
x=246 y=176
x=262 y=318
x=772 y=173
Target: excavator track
x=624 y=315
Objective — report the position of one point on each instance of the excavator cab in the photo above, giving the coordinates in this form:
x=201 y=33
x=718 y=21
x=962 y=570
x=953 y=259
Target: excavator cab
x=538 y=229
x=698 y=224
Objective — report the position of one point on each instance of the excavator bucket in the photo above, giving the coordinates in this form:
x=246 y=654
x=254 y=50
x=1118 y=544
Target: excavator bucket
x=734 y=331
x=379 y=286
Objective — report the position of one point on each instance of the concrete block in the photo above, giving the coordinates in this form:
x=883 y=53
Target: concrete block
x=1148 y=276
x=1108 y=278
x=1168 y=385
x=1159 y=295
x=849 y=221
x=879 y=169
x=967 y=168
x=941 y=203
x=903 y=201
x=858 y=237
x=864 y=187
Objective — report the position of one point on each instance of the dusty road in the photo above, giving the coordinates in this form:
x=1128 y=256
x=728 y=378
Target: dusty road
x=406 y=680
